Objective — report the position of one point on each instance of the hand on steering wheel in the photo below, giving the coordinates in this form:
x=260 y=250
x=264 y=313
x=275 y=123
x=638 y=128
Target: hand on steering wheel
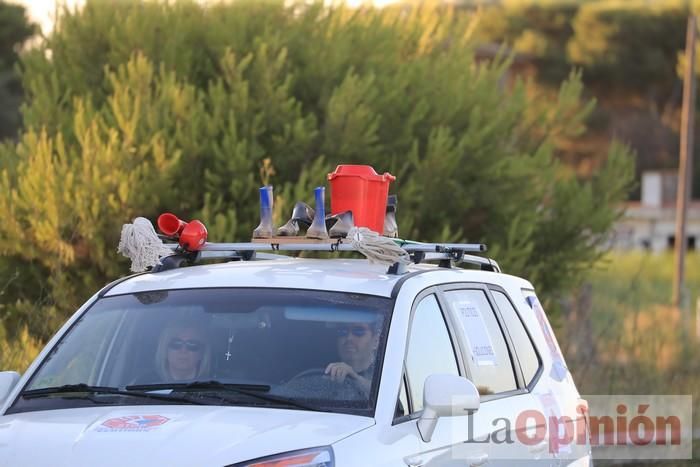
x=339 y=371
x=320 y=381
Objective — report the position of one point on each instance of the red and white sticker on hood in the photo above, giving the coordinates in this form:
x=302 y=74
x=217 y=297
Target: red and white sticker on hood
x=132 y=423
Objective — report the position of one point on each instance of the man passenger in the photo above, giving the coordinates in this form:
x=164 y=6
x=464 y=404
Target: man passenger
x=357 y=346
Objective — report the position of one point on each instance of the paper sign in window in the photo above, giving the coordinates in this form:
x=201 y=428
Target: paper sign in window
x=480 y=346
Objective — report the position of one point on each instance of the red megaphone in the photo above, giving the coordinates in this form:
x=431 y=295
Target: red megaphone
x=192 y=235
x=170 y=224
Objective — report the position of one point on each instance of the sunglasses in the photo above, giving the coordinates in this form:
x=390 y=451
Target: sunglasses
x=192 y=346
x=356 y=331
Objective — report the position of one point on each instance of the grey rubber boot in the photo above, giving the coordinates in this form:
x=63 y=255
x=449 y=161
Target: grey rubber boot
x=391 y=228
x=302 y=214
x=343 y=222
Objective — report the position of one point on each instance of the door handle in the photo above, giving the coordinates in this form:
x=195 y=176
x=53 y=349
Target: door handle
x=479 y=460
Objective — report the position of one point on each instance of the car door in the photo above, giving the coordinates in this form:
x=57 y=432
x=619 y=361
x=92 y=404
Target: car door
x=511 y=418
x=430 y=350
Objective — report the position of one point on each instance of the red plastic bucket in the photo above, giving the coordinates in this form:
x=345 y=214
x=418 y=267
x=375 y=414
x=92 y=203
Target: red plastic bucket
x=358 y=188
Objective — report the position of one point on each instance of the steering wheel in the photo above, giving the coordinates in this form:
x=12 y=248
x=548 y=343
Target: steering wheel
x=315 y=382
x=311 y=373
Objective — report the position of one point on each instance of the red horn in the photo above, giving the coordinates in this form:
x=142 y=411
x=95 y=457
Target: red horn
x=170 y=224
x=193 y=236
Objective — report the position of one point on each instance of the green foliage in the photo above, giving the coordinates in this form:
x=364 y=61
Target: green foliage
x=15 y=29
x=135 y=108
x=623 y=46
x=629 y=46
x=539 y=31
x=630 y=53
x=18 y=352
x=625 y=338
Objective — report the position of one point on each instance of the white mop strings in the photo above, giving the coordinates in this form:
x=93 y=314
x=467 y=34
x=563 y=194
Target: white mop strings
x=140 y=243
x=376 y=248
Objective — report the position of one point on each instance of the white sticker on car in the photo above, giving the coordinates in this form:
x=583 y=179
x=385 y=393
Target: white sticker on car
x=480 y=345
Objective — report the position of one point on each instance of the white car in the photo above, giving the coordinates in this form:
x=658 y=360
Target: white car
x=300 y=362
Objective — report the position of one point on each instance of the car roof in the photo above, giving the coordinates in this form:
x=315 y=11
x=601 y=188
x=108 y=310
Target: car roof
x=341 y=275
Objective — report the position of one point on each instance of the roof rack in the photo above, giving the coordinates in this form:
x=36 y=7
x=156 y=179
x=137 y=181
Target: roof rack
x=447 y=259
x=446 y=254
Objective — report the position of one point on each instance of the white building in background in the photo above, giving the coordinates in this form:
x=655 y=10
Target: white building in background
x=650 y=224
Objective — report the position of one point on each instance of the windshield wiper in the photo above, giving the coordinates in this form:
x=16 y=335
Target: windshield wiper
x=86 y=389
x=200 y=385
x=256 y=391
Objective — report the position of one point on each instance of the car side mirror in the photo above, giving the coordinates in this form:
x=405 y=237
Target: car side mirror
x=8 y=380
x=446 y=396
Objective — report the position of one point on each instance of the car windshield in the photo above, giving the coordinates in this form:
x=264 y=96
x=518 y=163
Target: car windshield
x=284 y=348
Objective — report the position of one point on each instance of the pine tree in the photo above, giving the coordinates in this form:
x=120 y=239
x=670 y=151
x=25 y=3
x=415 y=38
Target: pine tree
x=189 y=108
x=15 y=30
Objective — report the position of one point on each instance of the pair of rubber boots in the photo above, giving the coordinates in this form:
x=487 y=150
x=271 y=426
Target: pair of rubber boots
x=317 y=224
x=333 y=226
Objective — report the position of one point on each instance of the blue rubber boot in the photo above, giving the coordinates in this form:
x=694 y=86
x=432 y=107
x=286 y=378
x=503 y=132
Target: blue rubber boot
x=318 y=226
x=264 y=230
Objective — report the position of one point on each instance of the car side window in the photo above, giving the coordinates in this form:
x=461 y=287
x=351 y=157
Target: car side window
x=522 y=343
x=430 y=349
x=488 y=357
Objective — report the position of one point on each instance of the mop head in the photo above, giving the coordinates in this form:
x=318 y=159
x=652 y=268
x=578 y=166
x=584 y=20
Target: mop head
x=376 y=248
x=140 y=243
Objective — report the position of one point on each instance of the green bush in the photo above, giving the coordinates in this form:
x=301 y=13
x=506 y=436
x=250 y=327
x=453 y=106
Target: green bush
x=15 y=30
x=630 y=53
x=624 y=337
x=538 y=30
x=630 y=46
x=135 y=108
x=624 y=47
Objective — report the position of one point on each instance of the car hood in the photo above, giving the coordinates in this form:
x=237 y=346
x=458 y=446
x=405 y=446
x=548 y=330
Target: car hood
x=165 y=435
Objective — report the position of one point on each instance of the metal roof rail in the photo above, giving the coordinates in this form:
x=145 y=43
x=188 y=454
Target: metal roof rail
x=281 y=244
x=446 y=260
x=445 y=253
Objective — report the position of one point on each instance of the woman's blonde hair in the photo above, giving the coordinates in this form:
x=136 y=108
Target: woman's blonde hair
x=162 y=351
